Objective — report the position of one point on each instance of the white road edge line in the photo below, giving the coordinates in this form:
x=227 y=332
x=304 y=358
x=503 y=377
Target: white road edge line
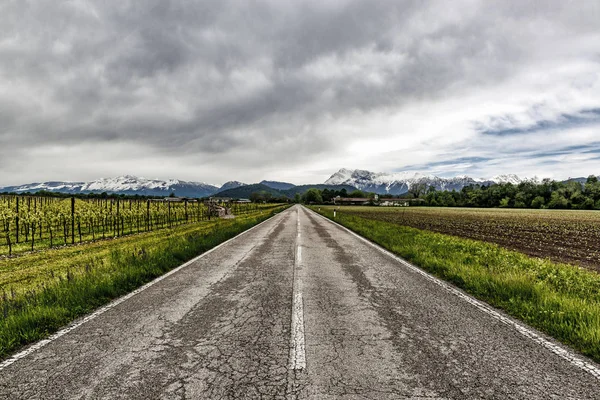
x=524 y=330
x=77 y=323
x=297 y=343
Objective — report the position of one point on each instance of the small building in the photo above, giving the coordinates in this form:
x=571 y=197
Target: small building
x=383 y=202
x=400 y=202
x=220 y=199
x=393 y=202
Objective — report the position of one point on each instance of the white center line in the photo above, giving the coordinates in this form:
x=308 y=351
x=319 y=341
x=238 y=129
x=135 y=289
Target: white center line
x=297 y=346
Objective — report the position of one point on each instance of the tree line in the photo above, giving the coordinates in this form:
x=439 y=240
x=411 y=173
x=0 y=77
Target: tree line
x=546 y=194
x=325 y=196
x=528 y=194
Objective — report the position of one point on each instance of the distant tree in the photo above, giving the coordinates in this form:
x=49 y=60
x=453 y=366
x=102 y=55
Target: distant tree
x=521 y=200
x=255 y=197
x=587 y=204
x=538 y=202
x=592 y=188
x=297 y=198
x=417 y=190
x=312 y=196
x=557 y=200
x=447 y=200
x=578 y=200
x=357 y=194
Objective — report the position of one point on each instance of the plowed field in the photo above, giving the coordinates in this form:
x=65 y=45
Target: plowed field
x=565 y=236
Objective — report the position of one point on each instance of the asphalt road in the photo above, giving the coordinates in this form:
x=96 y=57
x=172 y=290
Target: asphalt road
x=296 y=308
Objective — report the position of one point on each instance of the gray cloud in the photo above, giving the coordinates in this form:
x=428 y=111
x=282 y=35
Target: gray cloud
x=243 y=83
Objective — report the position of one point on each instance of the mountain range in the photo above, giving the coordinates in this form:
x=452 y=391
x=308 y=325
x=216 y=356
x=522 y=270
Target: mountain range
x=380 y=183
x=400 y=183
x=129 y=185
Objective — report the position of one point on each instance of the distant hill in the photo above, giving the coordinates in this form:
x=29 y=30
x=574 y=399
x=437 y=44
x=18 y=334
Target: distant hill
x=301 y=189
x=579 y=180
x=278 y=185
x=244 y=192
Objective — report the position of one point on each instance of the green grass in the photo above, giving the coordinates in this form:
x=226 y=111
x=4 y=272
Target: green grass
x=559 y=299
x=42 y=292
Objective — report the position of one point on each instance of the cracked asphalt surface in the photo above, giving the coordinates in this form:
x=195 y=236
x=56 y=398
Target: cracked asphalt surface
x=220 y=328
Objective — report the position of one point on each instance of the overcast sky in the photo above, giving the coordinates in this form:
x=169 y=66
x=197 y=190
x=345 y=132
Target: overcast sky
x=294 y=90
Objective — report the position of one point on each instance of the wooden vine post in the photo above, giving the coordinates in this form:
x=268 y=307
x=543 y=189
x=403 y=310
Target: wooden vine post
x=72 y=220
x=148 y=214
x=169 y=215
x=117 y=219
x=17 y=221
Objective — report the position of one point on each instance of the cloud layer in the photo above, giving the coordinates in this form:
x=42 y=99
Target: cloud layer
x=288 y=90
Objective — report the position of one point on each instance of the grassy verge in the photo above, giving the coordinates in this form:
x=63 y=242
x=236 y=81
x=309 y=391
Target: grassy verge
x=559 y=299
x=68 y=283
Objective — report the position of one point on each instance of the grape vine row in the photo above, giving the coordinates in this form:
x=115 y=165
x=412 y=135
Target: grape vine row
x=30 y=222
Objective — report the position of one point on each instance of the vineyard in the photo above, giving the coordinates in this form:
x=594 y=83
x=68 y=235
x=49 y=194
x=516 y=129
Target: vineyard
x=570 y=236
x=32 y=223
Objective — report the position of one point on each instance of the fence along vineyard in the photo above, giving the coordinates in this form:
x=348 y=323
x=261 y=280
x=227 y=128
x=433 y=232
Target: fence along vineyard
x=28 y=223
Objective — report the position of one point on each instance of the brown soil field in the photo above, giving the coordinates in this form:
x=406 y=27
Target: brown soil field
x=566 y=236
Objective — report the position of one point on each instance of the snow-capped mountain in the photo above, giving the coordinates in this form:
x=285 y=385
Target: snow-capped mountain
x=127 y=184
x=61 y=187
x=401 y=182
x=509 y=178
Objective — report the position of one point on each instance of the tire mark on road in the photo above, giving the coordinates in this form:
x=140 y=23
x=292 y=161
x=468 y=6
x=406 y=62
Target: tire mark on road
x=400 y=329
